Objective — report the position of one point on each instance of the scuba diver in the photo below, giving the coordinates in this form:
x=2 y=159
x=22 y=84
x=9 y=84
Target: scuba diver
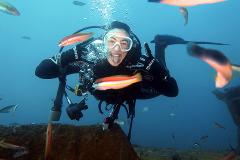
x=118 y=52
x=113 y=69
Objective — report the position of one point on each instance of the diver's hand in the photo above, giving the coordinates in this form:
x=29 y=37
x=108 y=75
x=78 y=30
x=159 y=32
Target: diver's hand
x=145 y=62
x=148 y=50
x=150 y=67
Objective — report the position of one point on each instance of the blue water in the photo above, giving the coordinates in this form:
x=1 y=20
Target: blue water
x=195 y=108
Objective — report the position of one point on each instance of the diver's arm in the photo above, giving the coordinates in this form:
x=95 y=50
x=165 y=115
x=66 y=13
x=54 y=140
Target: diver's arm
x=71 y=55
x=48 y=69
x=53 y=67
x=155 y=75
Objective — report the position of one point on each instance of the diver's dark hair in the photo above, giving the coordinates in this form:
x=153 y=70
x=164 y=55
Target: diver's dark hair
x=119 y=25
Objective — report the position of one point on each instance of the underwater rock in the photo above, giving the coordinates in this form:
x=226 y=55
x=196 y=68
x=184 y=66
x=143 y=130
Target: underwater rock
x=69 y=142
x=231 y=96
x=154 y=153
x=176 y=157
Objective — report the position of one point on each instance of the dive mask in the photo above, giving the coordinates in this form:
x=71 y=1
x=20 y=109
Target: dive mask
x=112 y=40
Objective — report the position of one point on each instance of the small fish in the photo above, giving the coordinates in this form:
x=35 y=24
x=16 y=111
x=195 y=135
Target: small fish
x=172 y=114
x=20 y=150
x=173 y=136
x=48 y=145
x=78 y=3
x=26 y=37
x=204 y=138
x=20 y=153
x=145 y=109
x=218 y=125
x=75 y=38
x=185 y=3
x=196 y=145
x=8 y=109
x=8 y=8
x=215 y=59
x=10 y=146
x=184 y=12
x=116 y=82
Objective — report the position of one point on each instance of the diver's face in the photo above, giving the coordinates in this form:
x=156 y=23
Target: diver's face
x=118 y=44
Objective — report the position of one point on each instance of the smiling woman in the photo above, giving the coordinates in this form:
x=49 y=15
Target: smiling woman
x=118 y=43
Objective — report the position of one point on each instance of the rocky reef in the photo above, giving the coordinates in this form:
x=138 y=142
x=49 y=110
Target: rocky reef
x=71 y=142
x=68 y=143
x=151 y=153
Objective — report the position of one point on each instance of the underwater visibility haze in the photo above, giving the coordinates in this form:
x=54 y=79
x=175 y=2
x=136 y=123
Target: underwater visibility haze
x=33 y=32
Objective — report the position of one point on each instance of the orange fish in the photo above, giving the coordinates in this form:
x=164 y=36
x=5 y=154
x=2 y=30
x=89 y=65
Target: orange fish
x=215 y=59
x=75 y=38
x=224 y=72
x=10 y=146
x=116 y=82
x=48 y=145
x=185 y=3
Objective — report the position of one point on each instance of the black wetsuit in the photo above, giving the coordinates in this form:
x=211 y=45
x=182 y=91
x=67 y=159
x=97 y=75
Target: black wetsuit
x=154 y=83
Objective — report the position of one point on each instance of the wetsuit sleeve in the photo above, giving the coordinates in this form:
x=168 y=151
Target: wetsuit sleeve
x=72 y=55
x=53 y=67
x=162 y=81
